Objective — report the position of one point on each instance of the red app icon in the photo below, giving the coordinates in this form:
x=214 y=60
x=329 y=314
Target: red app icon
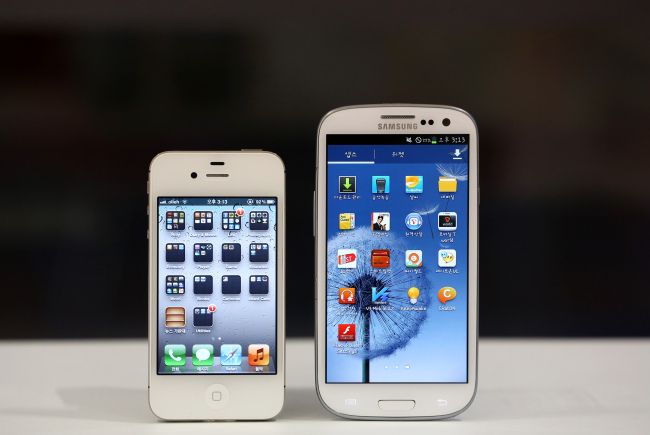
x=346 y=295
x=380 y=258
x=347 y=332
x=347 y=258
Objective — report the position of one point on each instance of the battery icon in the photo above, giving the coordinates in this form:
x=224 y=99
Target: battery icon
x=270 y=201
x=434 y=140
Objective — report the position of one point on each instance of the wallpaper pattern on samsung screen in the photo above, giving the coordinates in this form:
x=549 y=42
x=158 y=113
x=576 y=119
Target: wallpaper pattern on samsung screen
x=397 y=246
x=217 y=285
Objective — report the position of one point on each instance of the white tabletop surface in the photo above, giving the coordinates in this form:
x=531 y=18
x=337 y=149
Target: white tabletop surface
x=572 y=386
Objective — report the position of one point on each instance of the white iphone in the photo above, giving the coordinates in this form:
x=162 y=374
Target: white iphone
x=216 y=285
x=397 y=261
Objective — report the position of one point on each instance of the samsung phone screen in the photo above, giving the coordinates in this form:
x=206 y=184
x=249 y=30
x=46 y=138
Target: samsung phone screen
x=217 y=285
x=397 y=258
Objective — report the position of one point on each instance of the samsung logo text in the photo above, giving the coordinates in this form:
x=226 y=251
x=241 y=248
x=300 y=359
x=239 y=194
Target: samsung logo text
x=397 y=126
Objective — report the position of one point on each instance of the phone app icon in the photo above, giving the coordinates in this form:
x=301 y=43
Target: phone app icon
x=175 y=220
x=414 y=258
x=347 y=332
x=258 y=253
x=447 y=258
x=258 y=355
x=230 y=354
x=230 y=220
x=259 y=220
x=414 y=184
x=175 y=285
x=347 y=258
x=231 y=253
x=203 y=252
x=447 y=221
x=203 y=285
x=446 y=294
x=258 y=285
x=380 y=184
x=203 y=220
x=202 y=355
x=381 y=221
x=174 y=317
x=347 y=184
x=413 y=221
x=380 y=258
x=347 y=295
x=231 y=285
x=447 y=184
x=203 y=316
x=346 y=221
x=175 y=253
x=174 y=355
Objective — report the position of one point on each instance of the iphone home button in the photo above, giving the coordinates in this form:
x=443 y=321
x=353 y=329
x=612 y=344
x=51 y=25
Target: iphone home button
x=396 y=405
x=217 y=396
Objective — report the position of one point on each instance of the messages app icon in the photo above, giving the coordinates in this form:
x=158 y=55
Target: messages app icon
x=174 y=355
x=202 y=355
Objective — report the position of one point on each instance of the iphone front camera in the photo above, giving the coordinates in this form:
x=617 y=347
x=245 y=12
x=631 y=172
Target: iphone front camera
x=446 y=122
x=193 y=175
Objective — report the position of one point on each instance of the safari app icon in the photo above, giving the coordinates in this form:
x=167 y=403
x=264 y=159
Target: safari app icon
x=230 y=355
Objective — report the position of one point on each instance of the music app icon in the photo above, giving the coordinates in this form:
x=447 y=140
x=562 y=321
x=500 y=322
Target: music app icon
x=346 y=295
x=258 y=355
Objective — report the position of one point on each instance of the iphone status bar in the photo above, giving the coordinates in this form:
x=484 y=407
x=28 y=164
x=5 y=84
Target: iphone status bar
x=231 y=201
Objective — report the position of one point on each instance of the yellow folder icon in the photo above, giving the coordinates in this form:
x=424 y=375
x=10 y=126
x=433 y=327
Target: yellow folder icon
x=346 y=221
x=446 y=184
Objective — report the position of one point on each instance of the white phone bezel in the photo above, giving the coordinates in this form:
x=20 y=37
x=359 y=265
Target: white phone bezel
x=250 y=173
x=429 y=398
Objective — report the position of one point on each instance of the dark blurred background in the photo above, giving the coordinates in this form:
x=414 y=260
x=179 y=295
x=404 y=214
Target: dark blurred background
x=89 y=94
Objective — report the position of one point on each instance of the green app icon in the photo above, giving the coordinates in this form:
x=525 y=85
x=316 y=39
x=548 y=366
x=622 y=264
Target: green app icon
x=202 y=355
x=174 y=355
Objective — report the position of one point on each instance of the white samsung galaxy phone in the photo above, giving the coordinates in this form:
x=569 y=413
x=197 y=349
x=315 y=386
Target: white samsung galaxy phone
x=216 y=285
x=396 y=261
